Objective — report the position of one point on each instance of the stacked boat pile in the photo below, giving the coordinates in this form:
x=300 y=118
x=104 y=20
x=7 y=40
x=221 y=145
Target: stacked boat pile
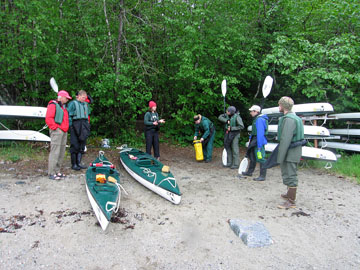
x=314 y=114
x=346 y=137
x=26 y=113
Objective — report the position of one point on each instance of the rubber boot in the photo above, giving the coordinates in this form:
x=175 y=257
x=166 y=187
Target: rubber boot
x=250 y=170
x=290 y=202
x=285 y=195
x=79 y=157
x=74 y=165
x=262 y=176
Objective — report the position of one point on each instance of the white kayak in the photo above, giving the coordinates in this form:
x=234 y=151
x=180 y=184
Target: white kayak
x=307 y=152
x=343 y=146
x=23 y=135
x=22 y=112
x=302 y=109
x=355 y=116
x=345 y=132
x=308 y=130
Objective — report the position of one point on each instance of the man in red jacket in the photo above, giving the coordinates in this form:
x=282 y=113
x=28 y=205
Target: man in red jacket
x=57 y=118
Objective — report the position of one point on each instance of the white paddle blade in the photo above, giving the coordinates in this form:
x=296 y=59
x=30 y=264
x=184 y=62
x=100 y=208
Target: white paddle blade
x=223 y=87
x=54 y=85
x=267 y=86
x=243 y=165
x=224 y=157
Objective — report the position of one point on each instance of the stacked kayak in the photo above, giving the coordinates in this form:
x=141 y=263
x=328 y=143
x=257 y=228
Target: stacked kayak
x=151 y=173
x=103 y=189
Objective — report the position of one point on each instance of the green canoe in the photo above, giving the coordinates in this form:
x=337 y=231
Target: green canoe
x=148 y=171
x=104 y=197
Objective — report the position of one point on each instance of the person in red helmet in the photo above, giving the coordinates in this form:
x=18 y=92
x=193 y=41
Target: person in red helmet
x=57 y=119
x=152 y=125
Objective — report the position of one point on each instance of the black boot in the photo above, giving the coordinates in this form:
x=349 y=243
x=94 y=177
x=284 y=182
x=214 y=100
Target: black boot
x=79 y=157
x=74 y=165
x=262 y=176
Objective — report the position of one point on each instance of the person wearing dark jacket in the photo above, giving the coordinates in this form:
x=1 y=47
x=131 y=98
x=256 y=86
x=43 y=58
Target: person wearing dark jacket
x=57 y=119
x=152 y=125
x=290 y=132
x=206 y=128
x=257 y=142
x=233 y=126
x=79 y=126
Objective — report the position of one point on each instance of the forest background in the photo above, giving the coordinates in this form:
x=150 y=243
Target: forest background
x=125 y=53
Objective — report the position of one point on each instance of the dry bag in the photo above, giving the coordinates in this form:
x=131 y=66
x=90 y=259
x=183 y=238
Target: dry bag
x=198 y=150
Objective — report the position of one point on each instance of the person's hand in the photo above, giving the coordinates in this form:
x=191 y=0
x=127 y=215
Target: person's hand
x=202 y=139
x=162 y=121
x=229 y=129
x=259 y=155
x=155 y=123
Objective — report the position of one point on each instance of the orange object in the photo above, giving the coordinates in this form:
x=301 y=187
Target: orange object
x=101 y=178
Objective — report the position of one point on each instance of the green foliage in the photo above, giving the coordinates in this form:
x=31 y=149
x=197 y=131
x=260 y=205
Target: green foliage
x=126 y=53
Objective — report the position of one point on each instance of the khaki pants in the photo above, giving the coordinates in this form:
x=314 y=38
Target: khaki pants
x=57 y=150
x=289 y=173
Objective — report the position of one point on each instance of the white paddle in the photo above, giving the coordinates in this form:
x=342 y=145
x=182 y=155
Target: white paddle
x=266 y=89
x=243 y=165
x=223 y=91
x=54 y=85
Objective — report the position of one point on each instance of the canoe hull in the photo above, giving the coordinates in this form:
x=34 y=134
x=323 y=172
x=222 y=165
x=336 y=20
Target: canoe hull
x=23 y=135
x=146 y=177
x=103 y=197
x=22 y=112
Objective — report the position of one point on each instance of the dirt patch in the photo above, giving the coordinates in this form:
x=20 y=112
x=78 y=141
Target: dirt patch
x=50 y=224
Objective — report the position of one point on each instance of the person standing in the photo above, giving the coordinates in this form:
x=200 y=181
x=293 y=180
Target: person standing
x=79 y=128
x=204 y=126
x=256 y=149
x=290 y=131
x=57 y=119
x=152 y=126
x=233 y=126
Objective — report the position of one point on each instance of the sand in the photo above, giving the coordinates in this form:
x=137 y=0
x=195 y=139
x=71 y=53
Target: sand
x=50 y=224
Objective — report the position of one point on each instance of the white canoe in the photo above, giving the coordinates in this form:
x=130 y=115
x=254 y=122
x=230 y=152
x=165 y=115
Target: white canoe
x=345 y=132
x=23 y=135
x=308 y=152
x=355 y=116
x=22 y=112
x=342 y=146
x=302 y=109
x=308 y=130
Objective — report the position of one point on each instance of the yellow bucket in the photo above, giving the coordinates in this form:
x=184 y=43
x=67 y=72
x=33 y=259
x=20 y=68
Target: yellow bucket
x=198 y=150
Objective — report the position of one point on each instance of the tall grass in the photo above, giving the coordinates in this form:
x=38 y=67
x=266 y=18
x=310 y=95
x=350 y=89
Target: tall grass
x=16 y=151
x=347 y=165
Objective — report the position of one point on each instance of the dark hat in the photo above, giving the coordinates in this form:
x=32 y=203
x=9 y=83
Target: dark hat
x=231 y=109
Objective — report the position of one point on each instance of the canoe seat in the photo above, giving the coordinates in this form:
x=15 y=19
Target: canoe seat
x=146 y=162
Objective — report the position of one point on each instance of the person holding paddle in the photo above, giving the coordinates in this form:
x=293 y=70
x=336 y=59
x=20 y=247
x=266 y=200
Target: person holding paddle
x=233 y=126
x=152 y=126
x=57 y=119
x=256 y=149
x=206 y=128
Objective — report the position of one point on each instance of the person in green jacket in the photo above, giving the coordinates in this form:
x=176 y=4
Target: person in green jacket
x=79 y=126
x=233 y=126
x=206 y=128
x=152 y=125
x=290 y=131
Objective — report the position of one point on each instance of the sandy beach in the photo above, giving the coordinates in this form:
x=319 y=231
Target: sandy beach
x=49 y=224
